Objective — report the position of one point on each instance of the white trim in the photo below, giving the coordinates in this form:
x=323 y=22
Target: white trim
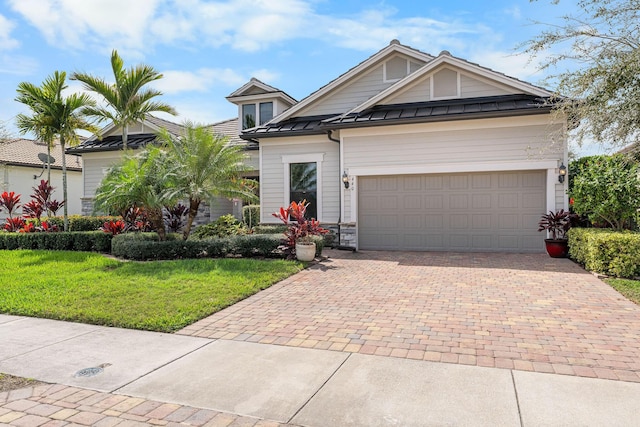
x=397 y=48
x=552 y=179
x=316 y=158
x=341 y=169
x=455 y=168
x=384 y=70
x=454 y=125
x=260 y=170
x=466 y=66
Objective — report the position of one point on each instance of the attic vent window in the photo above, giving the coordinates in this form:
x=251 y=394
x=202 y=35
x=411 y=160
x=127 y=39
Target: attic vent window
x=445 y=84
x=397 y=68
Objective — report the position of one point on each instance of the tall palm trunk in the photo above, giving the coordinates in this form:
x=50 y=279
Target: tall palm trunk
x=64 y=185
x=125 y=137
x=48 y=164
x=194 y=204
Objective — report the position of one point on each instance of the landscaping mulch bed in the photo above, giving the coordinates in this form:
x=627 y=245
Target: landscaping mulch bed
x=9 y=382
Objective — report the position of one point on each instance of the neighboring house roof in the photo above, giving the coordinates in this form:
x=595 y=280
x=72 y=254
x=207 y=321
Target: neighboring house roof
x=229 y=128
x=138 y=140
x=24 y=152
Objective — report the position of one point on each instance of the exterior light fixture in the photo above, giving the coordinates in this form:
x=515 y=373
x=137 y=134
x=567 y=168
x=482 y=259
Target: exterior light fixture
x=562 y=172
x=345 y=179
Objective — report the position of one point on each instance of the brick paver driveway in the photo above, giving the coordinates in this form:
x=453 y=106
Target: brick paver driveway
x=525 y=312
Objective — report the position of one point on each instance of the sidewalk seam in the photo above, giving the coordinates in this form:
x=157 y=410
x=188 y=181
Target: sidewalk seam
x=515 y=390
x=319 y=388
x=115 y=390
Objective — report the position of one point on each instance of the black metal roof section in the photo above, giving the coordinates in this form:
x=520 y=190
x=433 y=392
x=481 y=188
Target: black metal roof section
x=419 y=112
x=113 y=143
x=451 y=109
x=310 y=125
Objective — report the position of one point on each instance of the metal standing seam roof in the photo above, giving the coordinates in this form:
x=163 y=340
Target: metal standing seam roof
x=227 y=128
x=419 y=112
x=24 y=152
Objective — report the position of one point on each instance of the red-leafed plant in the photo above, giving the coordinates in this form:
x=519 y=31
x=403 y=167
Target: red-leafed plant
x=557 y=223
x=113 y=227
x=135 y=219
x=175 y=217
x=42 y=196
x=28 y=227
x=299 y=227
x=11 y=201
x=53 y=206
x=33 y=209
x=46 y=227
x=14 y=224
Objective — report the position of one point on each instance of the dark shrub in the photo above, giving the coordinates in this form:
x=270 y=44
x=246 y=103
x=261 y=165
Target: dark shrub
x=95 y=241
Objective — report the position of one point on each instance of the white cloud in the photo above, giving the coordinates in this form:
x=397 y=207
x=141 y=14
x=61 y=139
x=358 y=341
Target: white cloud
x=6 y=41
x=199 y=81
x=18 y=65
x=86 y=24
x=511 y=64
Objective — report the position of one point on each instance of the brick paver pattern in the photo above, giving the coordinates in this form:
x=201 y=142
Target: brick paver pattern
x=515 y=311
x=54 y=405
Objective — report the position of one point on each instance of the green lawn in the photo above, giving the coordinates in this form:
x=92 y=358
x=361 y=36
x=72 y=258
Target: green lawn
x=628 y=288
x=158 y=296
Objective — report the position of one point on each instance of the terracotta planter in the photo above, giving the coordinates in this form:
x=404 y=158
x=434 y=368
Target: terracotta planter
x=305 y=251
x=557 y=248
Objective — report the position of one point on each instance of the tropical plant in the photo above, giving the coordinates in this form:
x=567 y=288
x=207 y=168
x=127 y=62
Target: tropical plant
x=127 y=99
x=226 y=225
x=41 y=202
x=11 y=201
x=54 y=116
x=607 y=190
x=113 y=227
x=204 y=165
x=557 y=223
x=299 y=227
x=141 y=180
x=175 y=216
x=135 y=219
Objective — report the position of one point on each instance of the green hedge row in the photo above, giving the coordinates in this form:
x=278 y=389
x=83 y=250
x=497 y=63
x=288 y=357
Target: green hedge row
x=614 y=253
x=269 y=229
x=82 y=223
x=145 y=246
x=94 y=241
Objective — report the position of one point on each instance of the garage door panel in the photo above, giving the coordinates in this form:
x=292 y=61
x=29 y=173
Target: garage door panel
x=493 y=211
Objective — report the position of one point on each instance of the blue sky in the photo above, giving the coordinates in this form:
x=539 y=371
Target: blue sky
x=207 y=49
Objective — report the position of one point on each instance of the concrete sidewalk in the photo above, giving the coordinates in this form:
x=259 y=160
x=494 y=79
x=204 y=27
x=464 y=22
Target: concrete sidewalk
x=163 y=379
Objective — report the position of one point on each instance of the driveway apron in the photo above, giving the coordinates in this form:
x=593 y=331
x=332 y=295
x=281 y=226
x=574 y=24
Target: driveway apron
x=526 y=312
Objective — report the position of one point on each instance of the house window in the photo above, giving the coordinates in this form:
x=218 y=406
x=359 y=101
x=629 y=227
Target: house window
x=266 y=112
x=303 y=185
x=248 y=116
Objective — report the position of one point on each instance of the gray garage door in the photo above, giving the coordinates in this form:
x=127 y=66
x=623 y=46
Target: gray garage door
x=496 y=211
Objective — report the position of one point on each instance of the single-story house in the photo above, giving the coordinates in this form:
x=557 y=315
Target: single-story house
x=99 y=154
x=409 y=151
x=22 y=168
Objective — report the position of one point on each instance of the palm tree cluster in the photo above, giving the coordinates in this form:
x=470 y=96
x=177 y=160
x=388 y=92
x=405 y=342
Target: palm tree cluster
x=197 y=166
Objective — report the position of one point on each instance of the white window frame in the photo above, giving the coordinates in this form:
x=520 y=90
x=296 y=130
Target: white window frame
x=257 y=107
x=316 y=158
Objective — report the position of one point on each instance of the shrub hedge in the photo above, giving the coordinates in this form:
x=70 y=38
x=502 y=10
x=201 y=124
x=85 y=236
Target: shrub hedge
x=269 y=229
x=94 y=241
x=610 y=252
x=251 y=215
x=226 y=225
x=82 y=223
x=145 y=246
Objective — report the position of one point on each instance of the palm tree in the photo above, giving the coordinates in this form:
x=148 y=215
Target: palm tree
x=141 y=180
x=204 y=166
x=128 y=101
x=54 y=117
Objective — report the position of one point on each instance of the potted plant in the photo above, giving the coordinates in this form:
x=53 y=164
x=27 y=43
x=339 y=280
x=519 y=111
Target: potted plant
x=556 y=224
x=298 y=236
